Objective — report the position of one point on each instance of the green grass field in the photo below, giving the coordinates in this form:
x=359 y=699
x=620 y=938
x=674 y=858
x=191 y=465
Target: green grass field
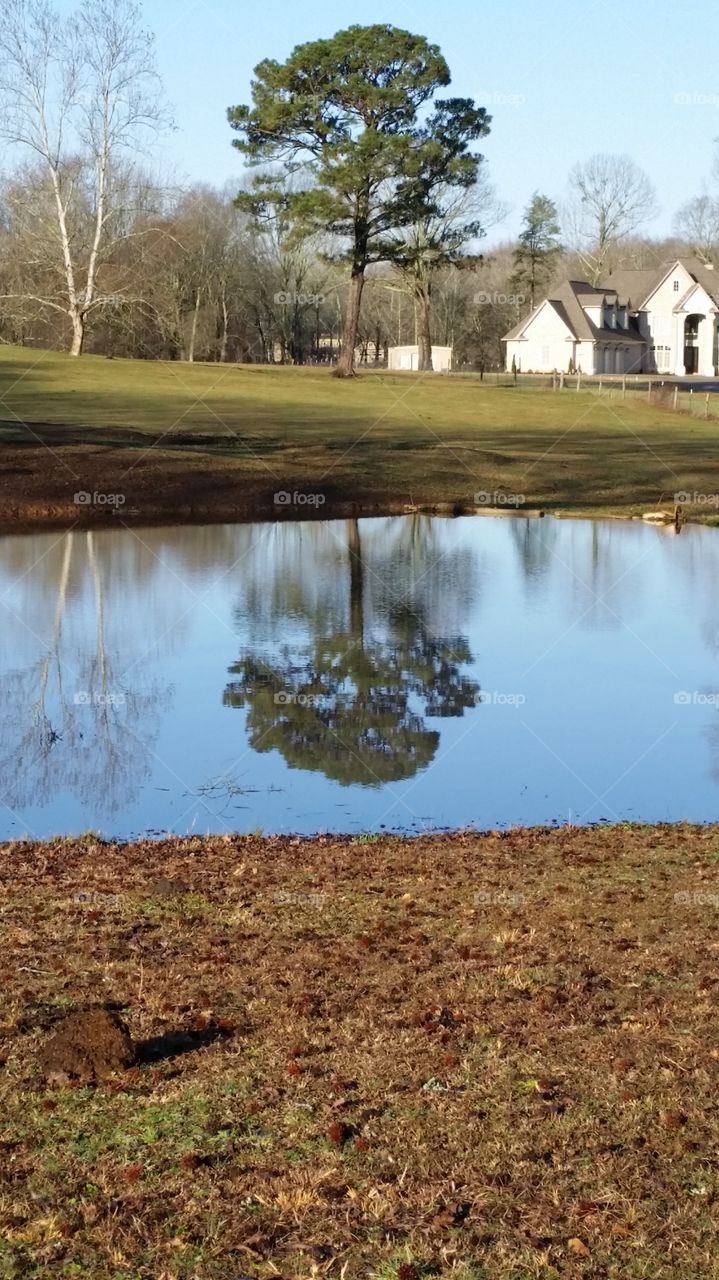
x=180 y=436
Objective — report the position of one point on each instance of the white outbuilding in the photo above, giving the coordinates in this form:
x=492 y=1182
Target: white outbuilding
x=407 y=358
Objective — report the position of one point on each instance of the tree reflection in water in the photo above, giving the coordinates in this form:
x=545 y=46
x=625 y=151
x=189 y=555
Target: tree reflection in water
x=351 y=703
x=79 y=719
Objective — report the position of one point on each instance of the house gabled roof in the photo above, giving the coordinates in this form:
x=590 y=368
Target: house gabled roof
x=703 y=276
x=633 y=287
x=519 y=328
x=637 y=287
x=569 y=301
x=630 y=288
x=695 y=287
x=568 y=295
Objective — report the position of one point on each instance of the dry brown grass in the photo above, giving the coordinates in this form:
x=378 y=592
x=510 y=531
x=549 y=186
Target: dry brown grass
x=480 y=1056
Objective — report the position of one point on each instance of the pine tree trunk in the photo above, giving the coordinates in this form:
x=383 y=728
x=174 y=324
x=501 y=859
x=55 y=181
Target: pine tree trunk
x=424 y=335
x=346 y=364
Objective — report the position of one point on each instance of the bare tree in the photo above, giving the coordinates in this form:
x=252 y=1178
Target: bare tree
x=77 y=94
x=444 y=237
x=609 y=198
x=697 y=223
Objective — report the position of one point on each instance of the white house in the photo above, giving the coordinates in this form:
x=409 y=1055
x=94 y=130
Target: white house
x=662 y=321
x=408 y=358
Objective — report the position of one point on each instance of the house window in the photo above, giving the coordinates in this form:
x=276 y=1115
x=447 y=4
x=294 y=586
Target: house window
x=662 y=358
x=676 y=286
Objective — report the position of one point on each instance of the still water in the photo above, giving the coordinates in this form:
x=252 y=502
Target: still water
x=406 y=673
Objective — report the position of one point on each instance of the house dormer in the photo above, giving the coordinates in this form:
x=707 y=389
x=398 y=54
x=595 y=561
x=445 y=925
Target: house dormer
x=636 y=322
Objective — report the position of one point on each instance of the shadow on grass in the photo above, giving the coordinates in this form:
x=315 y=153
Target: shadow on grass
x=173 y=1044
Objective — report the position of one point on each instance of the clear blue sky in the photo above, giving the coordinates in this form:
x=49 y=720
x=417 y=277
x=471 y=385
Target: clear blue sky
x=563 y=80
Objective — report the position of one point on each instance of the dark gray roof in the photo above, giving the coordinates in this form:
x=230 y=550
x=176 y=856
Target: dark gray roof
x=629 y=288
x=579 y=321
x=632 y=287
x=569 y=301
x=636 y=287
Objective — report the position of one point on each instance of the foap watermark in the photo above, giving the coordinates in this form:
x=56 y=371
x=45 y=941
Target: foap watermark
x=95 y=499
x=286 y=698
x=500 y=698
x=686 y=499
x=286 y=298
x=88 y=898
x=494 y=298
x=498 y=498
x=287 y=898
x=283 y=498
x=696 y=899
x=500 y=98
x=88 y=698
x=499 y=898
x=696 y=698
x=693 y=98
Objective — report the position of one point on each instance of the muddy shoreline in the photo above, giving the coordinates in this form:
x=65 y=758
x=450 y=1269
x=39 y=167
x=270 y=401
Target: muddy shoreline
x=37 y=517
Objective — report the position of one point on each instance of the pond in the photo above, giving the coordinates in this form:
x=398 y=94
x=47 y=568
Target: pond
x=406 y=674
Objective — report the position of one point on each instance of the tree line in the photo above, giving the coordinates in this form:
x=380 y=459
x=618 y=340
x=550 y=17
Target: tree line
x=358 y=224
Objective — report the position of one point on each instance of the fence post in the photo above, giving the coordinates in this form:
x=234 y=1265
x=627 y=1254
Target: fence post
x=579 y=380
x=624 y=388
x=706 y=406
x=676 y=395
x=600 y=385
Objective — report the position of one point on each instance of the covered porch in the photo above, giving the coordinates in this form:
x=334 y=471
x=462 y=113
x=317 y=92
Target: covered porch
x=696 y=335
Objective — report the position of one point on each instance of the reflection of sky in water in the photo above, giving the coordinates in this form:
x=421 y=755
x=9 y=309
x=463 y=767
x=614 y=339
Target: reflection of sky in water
x=325 y=676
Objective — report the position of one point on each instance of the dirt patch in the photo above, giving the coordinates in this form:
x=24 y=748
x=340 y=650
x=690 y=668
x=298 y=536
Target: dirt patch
x=87 y=1046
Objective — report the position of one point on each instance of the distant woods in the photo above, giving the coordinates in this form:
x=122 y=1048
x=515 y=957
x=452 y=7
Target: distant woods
x=360 y=222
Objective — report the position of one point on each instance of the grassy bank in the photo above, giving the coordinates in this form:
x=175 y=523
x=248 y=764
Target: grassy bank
x=479 y=1056
x=181 y=442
